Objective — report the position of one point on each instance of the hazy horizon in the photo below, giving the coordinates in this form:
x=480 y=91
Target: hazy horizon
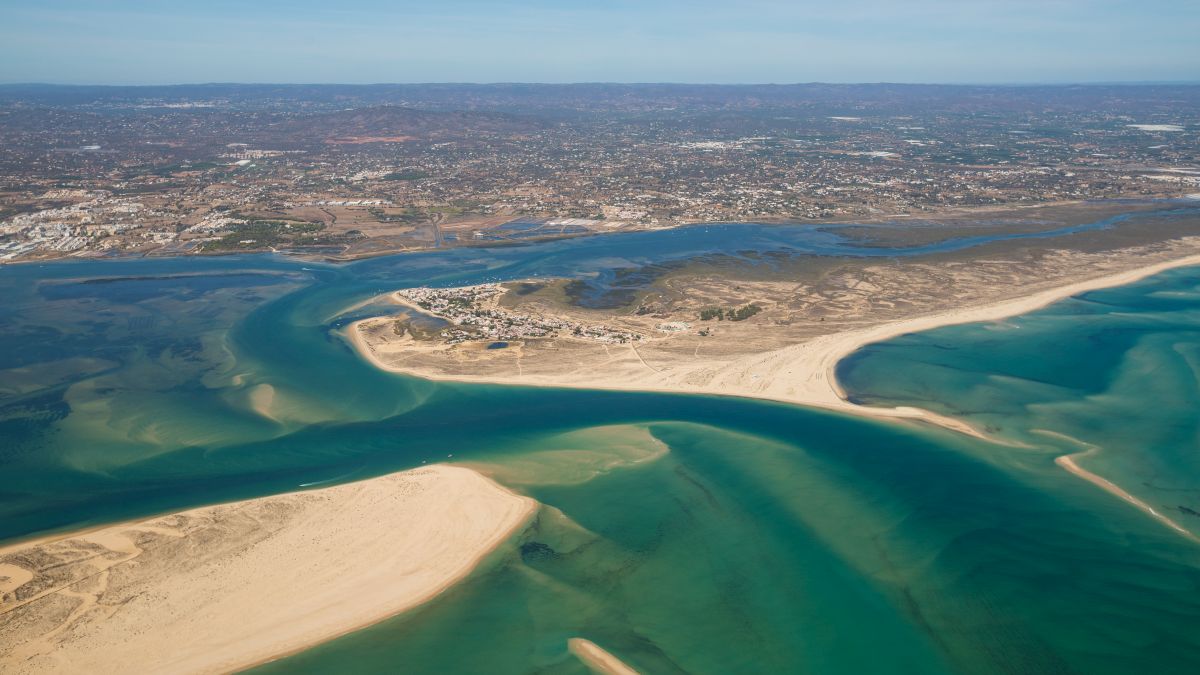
x=615 y=83
x=985 y=42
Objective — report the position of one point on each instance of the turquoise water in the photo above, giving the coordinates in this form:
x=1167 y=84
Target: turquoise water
x=1112 y=376
x=681 y=533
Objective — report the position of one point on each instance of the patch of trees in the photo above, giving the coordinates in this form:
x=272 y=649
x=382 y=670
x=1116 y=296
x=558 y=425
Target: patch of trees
x=731 y=314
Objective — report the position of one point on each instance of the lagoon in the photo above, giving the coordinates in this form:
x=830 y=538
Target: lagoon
x=683 y=533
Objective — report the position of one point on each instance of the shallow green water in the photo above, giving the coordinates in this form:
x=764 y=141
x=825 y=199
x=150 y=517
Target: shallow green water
x=681 y=533
x=1111 y=376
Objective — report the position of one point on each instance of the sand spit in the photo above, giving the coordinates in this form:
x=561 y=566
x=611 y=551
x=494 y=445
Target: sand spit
x=600 y=661
x=224 y=587
x=806 y=373
x=813 y=364
x=803 y=373
x=1070 y=465
x=1068 y=462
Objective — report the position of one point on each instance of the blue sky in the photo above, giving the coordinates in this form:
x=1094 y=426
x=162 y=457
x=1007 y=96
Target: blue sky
x=155 y=42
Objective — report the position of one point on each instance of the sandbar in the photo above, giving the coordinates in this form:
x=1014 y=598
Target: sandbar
x=803 y=373
x=597 y=659
x=225 y=587
x=1068 y=463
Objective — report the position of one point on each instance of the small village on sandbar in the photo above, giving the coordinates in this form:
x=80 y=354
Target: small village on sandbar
x=474 y=314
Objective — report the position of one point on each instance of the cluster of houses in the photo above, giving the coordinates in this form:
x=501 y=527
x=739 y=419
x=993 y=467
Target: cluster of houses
x=476 y=316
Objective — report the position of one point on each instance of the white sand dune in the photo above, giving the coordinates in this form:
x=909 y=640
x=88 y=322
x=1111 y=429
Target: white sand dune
x=224 y=587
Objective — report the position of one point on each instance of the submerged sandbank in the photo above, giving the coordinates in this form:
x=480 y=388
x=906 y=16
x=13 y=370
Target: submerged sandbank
x=224 y=587
x=597 y=659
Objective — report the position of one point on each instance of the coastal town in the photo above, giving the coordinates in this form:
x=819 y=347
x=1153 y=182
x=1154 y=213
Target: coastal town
x=386 y=169
x=474 y=315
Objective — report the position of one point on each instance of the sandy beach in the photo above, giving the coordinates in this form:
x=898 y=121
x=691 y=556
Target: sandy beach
x=813 y=365
x=223 y=587
x=803 y=373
